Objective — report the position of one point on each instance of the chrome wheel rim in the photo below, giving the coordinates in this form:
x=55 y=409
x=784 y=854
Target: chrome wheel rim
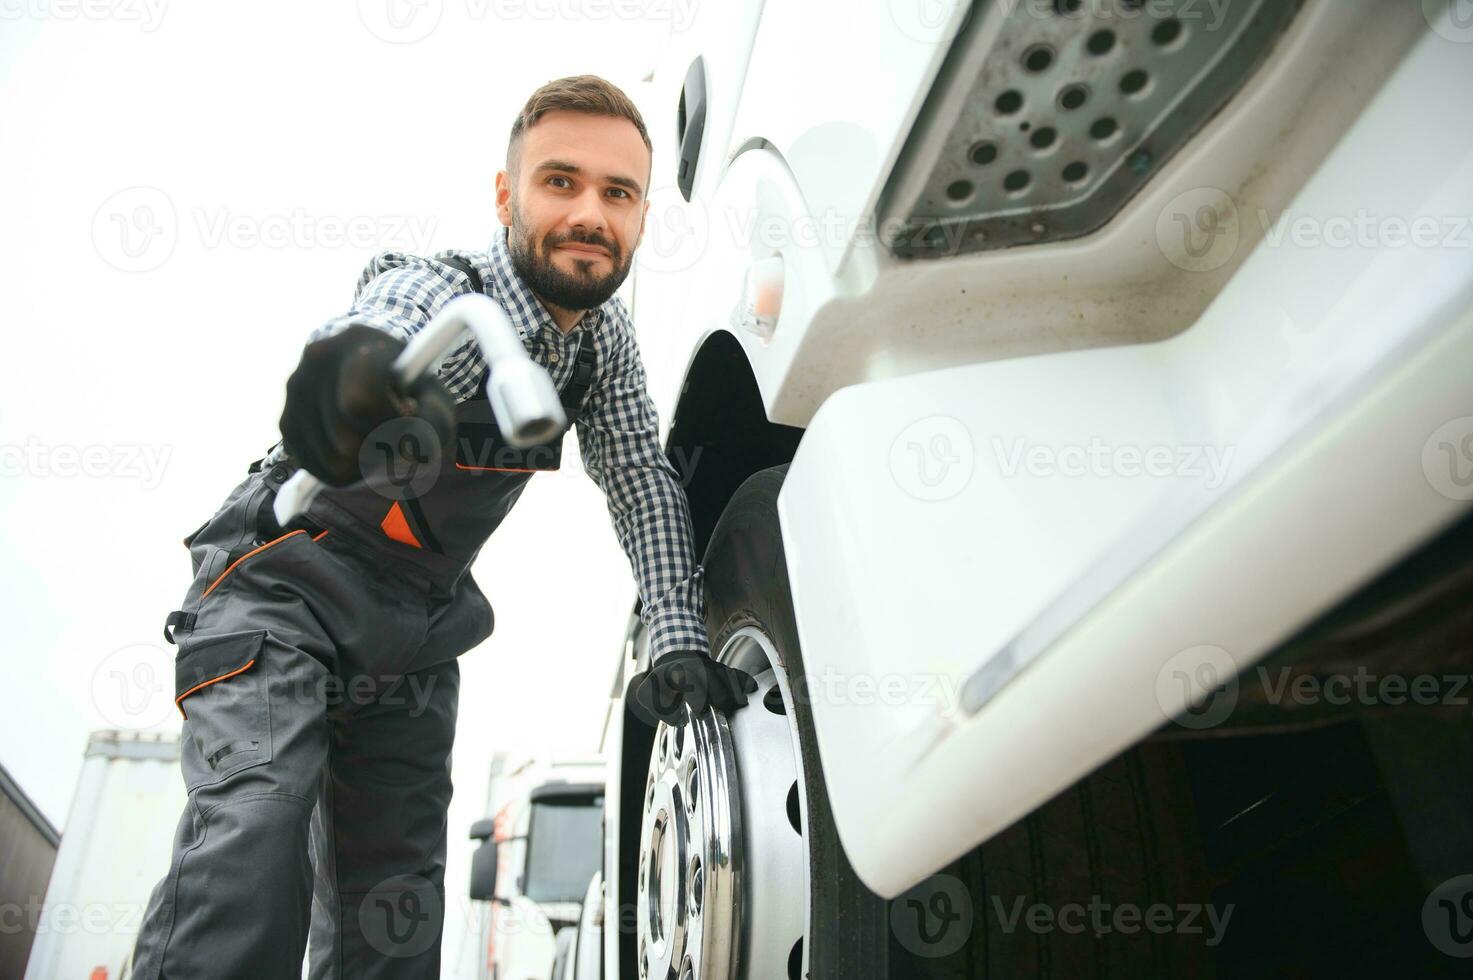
x=723 y=875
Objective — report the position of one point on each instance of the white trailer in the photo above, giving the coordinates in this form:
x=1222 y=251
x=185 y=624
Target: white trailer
x=1047 y=378
x=540 y=844
x=117 y=835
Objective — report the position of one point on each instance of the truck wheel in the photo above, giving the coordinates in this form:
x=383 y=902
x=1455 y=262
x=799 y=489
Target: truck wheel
x=741 y=873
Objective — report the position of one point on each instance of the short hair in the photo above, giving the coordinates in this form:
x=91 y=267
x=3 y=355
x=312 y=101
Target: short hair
x=576 y=93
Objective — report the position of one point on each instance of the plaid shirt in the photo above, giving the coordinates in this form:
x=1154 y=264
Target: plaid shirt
x=618 y=430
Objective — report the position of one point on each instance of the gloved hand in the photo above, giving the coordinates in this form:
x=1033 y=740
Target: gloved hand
x=686 y=679
x=341 y=391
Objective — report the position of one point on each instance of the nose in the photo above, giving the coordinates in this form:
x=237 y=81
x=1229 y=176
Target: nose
x=587 y=214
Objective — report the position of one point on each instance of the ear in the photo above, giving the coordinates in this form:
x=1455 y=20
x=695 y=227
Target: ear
x=503 y=197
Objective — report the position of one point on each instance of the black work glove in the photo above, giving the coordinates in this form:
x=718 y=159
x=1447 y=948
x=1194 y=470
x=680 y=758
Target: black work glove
x=686 y=679
x=341 y=391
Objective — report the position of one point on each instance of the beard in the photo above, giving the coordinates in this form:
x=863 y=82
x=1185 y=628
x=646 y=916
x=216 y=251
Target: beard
x=582 y=289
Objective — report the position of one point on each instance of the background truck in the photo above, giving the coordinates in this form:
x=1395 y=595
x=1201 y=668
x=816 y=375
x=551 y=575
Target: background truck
x=28 y=845
x=532 y=868
x=117 y=836
x=1072 y=397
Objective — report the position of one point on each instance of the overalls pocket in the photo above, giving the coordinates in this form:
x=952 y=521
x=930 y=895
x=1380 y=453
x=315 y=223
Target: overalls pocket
x=221 y=689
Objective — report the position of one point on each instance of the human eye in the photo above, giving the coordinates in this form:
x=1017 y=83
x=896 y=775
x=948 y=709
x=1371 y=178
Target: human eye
x=619 y=190
x=559 y=177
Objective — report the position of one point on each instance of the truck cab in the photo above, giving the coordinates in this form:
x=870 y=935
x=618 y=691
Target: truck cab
x=1072 y=401
x=533 y=866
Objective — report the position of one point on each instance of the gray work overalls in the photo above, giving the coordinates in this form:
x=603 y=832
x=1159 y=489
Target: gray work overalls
x=318 y=678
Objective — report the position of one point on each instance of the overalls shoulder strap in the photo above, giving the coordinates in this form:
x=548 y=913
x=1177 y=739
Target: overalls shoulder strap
x=573 y=393
x=468 y=269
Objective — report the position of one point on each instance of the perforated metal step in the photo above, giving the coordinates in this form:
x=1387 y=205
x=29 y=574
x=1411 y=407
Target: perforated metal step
x=1050 y=114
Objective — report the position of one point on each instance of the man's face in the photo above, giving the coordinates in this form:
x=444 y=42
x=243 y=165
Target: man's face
x=577 y=211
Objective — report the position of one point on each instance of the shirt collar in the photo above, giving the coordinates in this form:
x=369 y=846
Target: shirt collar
x=525 y=309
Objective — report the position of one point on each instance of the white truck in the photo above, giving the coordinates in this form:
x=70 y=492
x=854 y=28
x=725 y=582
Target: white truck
x=538 y=849
x=1075 y=401
x=117 y=835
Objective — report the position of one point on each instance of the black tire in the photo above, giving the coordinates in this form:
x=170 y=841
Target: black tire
x=747 y=585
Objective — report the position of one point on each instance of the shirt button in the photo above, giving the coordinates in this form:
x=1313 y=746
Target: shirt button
x=553 y=357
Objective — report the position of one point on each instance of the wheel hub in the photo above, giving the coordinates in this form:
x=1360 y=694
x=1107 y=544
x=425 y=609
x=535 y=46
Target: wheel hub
x=723 y=870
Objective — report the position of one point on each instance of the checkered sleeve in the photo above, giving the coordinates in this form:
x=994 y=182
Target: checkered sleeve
x=618 y=439
x=399 y=293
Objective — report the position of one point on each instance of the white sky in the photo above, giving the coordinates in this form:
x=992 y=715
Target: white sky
x=259 y=132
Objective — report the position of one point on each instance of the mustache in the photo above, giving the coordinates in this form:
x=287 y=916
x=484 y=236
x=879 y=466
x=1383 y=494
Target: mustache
x=593 y=240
